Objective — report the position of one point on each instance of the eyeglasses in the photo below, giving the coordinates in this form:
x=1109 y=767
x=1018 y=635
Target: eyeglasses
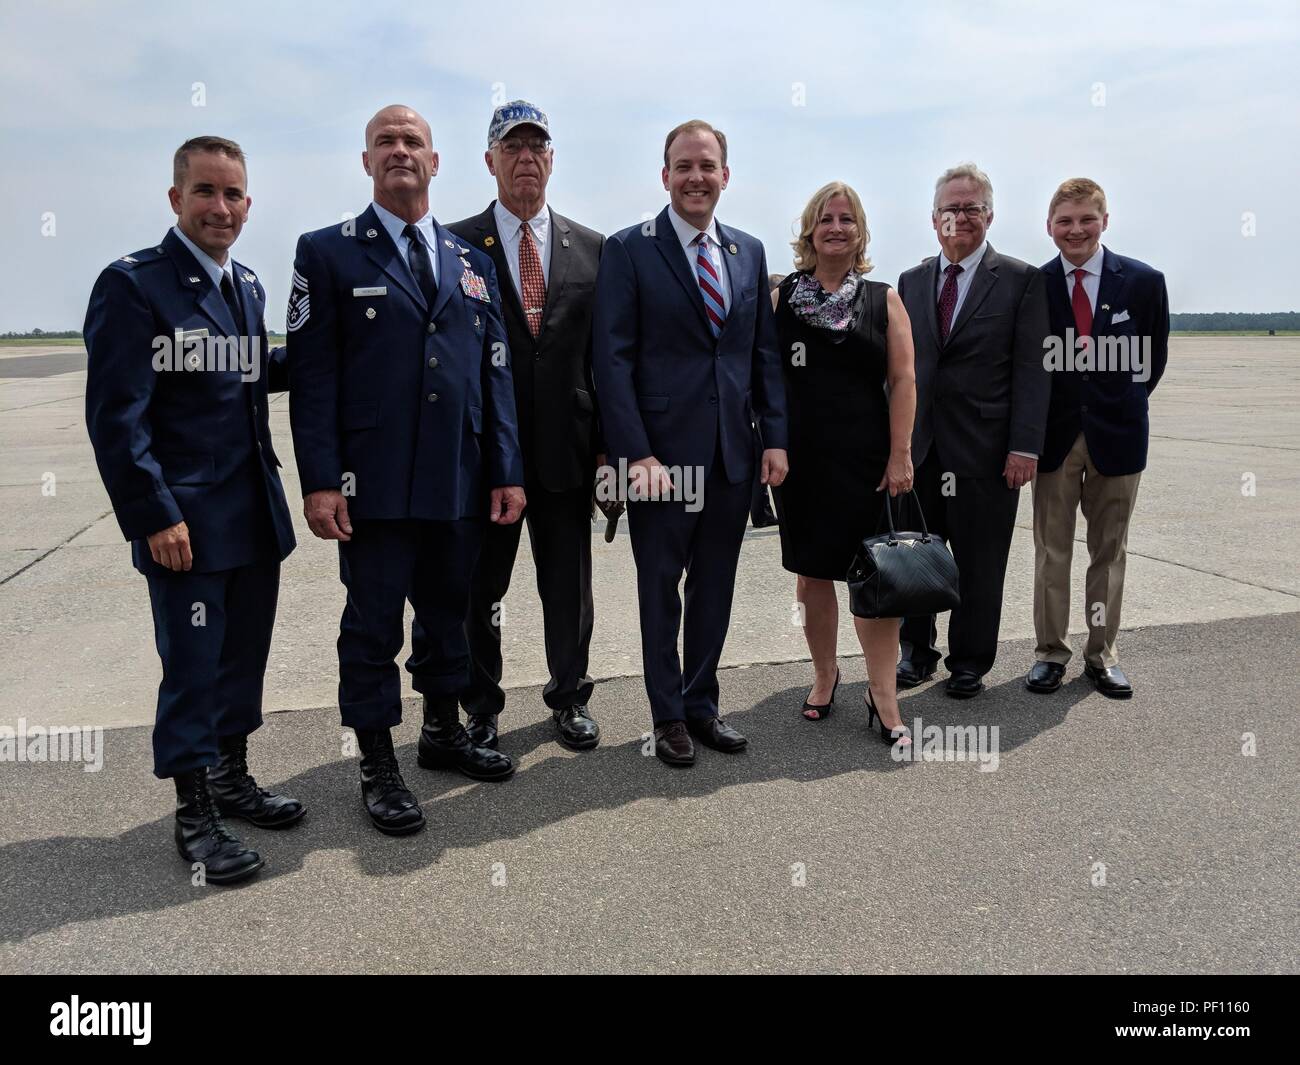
x=970 y=210
x=515 y=145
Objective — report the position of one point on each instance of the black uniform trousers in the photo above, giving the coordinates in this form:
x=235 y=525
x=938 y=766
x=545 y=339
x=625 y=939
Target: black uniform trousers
x=668 y=539
x=213 y=634
x=559 y=530
x=977 y=516
x=385 y=564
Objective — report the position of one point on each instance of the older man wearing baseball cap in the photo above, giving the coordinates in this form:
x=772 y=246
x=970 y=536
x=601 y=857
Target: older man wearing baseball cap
x=547 y=266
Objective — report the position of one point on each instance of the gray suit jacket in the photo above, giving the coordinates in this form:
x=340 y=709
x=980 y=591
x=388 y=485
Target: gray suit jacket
x=985 y=391
x=559 y=420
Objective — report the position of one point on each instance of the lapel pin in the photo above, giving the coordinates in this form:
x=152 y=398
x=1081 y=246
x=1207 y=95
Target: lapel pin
x=449 y=244
x=489 y=241
x=194 y=280
x=463 y=251
x=370 y=312
x=564 y=243
x=372 y=233
x=1105 y=306
x=732 y=248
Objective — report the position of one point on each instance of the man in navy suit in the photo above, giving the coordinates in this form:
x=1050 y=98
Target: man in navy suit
x=684 y=356
x=176 y=407
x=1110 y=342
x=403 y=418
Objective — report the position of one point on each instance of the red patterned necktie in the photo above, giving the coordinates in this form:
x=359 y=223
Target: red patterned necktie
x=710 y=285
x=948 y=298
x=1082 y=308
x=532 y=280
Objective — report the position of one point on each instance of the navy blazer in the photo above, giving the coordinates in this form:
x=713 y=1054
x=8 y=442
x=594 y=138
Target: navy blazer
x=180 y=444
x=1108 y=406
x=415 y=402
x=666 y=387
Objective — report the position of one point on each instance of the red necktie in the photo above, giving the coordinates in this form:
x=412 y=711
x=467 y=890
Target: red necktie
x=1082 y=308
x=531 y=279
x=948 y=299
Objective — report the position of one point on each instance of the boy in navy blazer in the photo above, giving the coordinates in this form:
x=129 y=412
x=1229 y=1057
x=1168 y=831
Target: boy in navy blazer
x=1109 y=345
x=176 y=407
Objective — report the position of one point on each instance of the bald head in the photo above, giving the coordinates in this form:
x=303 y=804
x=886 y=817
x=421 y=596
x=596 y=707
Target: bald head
x=398 y=115
x=399 y=157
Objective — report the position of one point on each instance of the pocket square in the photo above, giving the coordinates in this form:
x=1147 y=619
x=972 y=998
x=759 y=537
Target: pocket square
x=1121 y=316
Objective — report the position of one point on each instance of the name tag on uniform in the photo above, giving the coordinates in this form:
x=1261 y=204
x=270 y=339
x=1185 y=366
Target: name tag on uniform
x=183 y=336
x=380 y=291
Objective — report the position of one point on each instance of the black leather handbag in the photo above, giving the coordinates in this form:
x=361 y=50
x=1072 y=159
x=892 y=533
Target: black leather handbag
x=898 y=575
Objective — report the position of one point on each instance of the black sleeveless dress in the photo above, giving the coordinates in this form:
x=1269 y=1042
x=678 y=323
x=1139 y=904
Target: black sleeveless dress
x=839 y=433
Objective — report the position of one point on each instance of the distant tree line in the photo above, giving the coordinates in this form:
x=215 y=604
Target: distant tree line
x=1215 y=321
x=1220 y=321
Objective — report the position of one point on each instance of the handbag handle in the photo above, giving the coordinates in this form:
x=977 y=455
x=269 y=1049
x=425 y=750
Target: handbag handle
x=889 y=516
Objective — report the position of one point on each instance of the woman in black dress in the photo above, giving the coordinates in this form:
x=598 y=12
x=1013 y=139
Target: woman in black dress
x=846 y=349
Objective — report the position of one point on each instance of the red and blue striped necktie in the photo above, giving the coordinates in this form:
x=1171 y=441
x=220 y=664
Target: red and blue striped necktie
x=710 y=285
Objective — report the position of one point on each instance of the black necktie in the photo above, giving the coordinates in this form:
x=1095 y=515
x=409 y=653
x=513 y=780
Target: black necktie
x=228 y=291
x=418 y=261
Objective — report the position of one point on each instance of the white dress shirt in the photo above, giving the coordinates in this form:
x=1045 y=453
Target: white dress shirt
x=1091 y=281
x=210 y=265
x=396 y=227
x=968 y=267
x=509 y=227
x=687 y=233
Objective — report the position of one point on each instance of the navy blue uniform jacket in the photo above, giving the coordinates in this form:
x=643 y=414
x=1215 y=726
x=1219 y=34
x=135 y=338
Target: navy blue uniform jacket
x=179 y=444
x=415 y=403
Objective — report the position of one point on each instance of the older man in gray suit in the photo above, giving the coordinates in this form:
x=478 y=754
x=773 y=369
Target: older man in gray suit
x=978 y=323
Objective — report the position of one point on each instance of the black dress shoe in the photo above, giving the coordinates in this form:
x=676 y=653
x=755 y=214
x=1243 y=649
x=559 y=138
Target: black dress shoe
x=201 y=835
x=963 y=685
x=482 y=730
x=237 y=793
x=673 y=744
x=578 y=729
x=1045 y=677
x=909 y=676
x=716 y=733
x=1109 y=680
x=444 y=744
x=392 y=807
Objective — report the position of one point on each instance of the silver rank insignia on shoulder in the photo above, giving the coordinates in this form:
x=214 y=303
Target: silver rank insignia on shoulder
x=732 y=248
x=129 y=259
x=247 y=276
x=372 y=233
x=370 y=312
x=194 y=280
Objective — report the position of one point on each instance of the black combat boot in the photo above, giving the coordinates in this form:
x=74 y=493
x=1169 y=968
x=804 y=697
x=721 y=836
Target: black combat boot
x=444 y=744
x=393 y=809
x=201 y=835
x=237 y=793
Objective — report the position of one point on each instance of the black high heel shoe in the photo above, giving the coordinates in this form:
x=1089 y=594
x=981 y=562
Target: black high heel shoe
x=823 y=710
x=887 y=735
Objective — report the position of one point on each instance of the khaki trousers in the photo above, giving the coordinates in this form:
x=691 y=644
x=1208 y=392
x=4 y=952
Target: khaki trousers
x=1107 y=504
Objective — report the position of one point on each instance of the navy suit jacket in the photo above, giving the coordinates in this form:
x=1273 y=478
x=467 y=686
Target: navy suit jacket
x=415 y=402
x=666 y=387
x=1108 y=406
x=175 y=444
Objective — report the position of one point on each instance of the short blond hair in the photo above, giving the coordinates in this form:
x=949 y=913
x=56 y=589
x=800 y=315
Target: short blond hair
x=1077 y=188
x=805 y=255
x=695 y=125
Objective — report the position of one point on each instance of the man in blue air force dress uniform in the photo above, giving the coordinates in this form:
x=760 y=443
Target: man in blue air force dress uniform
x=404 y=430
x=176 y=407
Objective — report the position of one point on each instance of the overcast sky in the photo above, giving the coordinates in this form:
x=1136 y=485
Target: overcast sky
x=1187 y=113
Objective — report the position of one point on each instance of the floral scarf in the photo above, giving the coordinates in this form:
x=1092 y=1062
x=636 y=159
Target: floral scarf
x=833 y=311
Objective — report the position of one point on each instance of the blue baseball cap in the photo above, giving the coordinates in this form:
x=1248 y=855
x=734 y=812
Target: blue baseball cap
x=516 y=113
